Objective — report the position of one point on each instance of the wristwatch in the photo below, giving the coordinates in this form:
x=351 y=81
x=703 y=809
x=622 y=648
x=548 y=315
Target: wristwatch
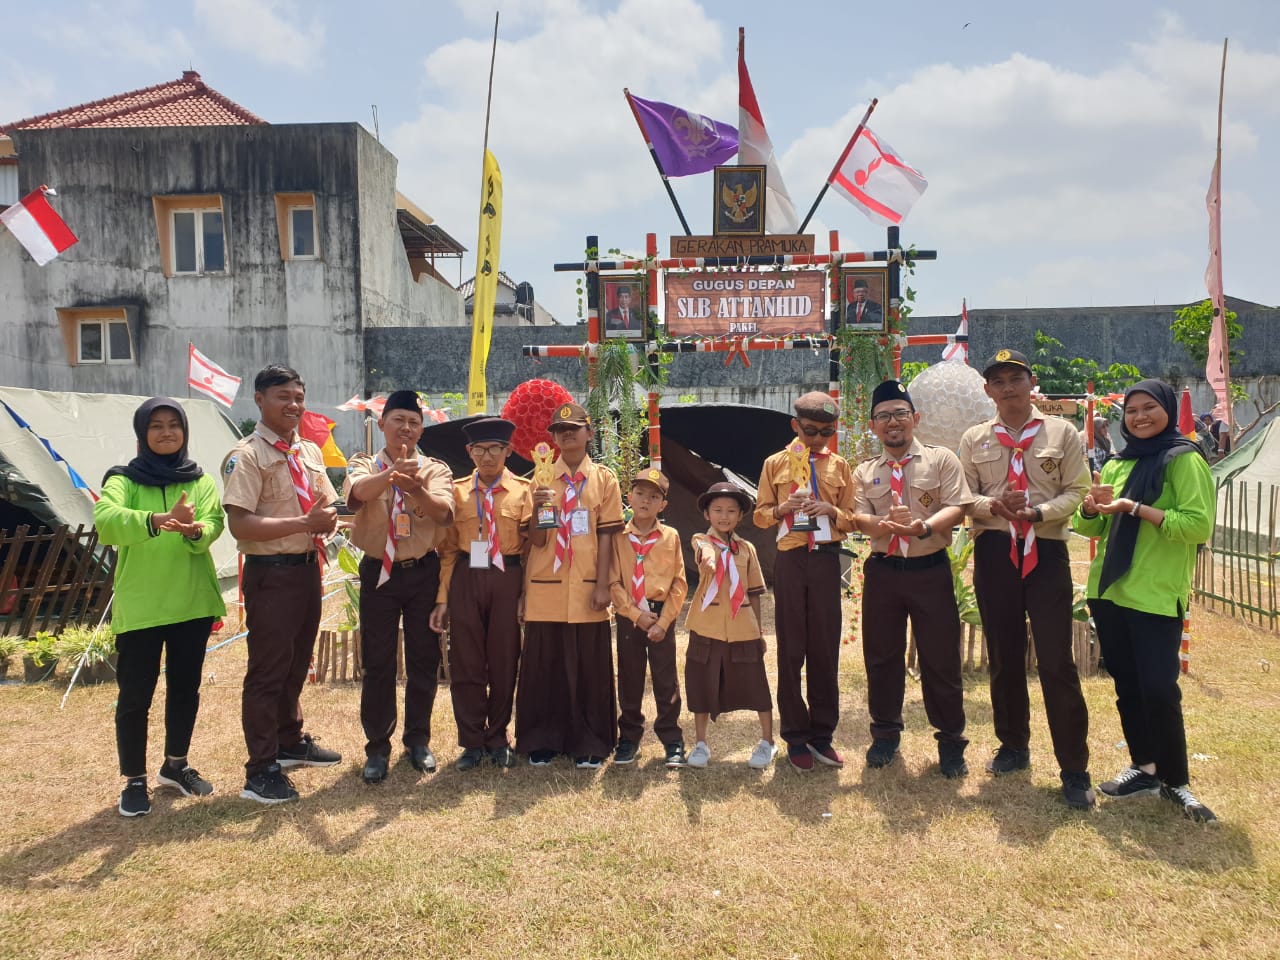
x=928 y=531
x=1039 y=515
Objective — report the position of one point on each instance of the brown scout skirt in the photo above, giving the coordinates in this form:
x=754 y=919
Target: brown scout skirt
x=720 y=677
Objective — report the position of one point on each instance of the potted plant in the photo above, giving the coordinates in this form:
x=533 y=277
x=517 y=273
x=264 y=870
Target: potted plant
x=95 y=646
x=9 y=645
x=39 y=657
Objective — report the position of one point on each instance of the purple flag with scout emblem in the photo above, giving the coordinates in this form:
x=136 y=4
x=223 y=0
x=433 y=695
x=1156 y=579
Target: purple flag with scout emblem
x=685 y=142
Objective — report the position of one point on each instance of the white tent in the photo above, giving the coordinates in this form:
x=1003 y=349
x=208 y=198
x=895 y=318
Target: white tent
x=1248 y=483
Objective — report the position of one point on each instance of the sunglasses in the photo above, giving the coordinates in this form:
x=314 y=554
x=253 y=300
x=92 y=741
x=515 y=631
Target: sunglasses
x=489 y=450
x=816 y=432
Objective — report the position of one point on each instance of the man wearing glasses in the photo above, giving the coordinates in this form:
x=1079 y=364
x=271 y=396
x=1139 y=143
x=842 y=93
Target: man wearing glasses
x=908 y=500
x=813 y=514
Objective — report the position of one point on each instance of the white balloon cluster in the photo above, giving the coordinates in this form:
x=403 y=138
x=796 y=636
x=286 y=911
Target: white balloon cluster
x=950 y=399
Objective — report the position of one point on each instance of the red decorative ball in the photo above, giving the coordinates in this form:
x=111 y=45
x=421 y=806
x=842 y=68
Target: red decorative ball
x=530 y=407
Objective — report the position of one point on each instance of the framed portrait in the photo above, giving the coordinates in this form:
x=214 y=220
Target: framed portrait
x=863 y=298
x=739 y=201
x=624 y=307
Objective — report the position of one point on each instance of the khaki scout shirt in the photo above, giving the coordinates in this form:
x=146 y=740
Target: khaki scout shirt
x=564 y=595
x=835 y=486
x=932 y=479
x=1057 y=475
x=718 y=621
x=369 y=531
x=511 y=512
x=258 y=480
x=664 y=579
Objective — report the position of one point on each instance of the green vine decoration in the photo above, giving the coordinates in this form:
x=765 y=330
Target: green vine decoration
x=617 y=376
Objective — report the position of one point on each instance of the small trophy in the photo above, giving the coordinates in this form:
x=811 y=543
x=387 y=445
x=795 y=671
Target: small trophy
x=543 y=475
x=798 y=457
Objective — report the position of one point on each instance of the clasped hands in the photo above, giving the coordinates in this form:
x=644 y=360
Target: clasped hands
x=1101 y=498
x=404 y=473
x=1012 y=506
x=899 y=522
x=802 y=501
x=180 y=518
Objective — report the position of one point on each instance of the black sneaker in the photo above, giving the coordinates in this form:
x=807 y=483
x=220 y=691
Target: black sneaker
x=541 y=758
x=470 y=759
x=1077 y=790
x=187 y=781
x=675 y=755
x=588 y=763
x=625 y=752
x=1192 y=808
x=134 y=800
x=951 y=759
x=269 y=786
x=307 y=753
x=1007 y=760
x=504 y=756
x=1131 y=782
x=882 y=752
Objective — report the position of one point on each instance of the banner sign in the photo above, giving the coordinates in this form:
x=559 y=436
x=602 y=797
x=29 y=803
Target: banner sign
x=772 y=245
x=773 y=303
x=1056 y=408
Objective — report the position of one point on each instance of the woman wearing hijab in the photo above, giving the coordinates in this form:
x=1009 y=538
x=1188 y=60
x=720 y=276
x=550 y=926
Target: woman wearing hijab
x=164 y=513
x=1139 y=583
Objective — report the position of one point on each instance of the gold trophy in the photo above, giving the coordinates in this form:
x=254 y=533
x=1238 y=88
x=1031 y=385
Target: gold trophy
x=798 y=459
x=543 y=476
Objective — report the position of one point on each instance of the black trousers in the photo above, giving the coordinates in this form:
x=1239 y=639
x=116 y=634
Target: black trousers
x=1141 y=653
x=806 y=595
x=137 y=670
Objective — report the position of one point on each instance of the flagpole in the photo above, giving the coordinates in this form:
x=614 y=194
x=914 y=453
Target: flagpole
x=480 y=325
x=839 y=163
x=648 y=142
x=190 y=347
x=1222 y=319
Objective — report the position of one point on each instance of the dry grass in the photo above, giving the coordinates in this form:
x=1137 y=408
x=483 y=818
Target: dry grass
x=643 y=862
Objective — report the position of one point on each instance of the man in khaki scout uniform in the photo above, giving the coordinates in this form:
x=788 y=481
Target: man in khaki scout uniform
x=908 y=500
x=481 y=581
x=279 y=505
x=1028 y=475
x=403 y=503
x=565 y=698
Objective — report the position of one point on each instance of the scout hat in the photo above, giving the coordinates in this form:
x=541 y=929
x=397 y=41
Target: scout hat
x=569 y=415
x=402 y=400
x=654 y=477
x=817 y=406
x=488 y=430
x=1006 y=358
x=724 y=489
x=890 y=390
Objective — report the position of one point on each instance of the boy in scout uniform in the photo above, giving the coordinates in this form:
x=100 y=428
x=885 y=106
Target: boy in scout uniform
x=279 y=506
x=565 y=699
x=403 y=505
x=481 y=582
x=908 y=500
x=806 y=577
x=648 y=589
x=1028 y=475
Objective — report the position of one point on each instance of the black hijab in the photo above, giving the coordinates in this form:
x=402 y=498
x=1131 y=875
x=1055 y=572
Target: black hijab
x=152 y=469
x=1146 y=480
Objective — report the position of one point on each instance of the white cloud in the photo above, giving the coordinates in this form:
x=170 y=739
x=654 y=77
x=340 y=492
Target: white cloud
x=27 y=92
x=124 y=32
x=274 y=32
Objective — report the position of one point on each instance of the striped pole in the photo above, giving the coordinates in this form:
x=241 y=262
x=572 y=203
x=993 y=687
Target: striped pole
x=1184 y=654
x=782 y=260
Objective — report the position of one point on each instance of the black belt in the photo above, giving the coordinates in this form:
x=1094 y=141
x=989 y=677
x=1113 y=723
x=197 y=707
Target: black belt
x=403 y=564
x=281 y=559
x=912 y=563
x=829 y=548
x=508 y=559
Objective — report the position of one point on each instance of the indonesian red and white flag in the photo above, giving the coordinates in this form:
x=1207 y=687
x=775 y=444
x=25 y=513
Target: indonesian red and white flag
x=755 y=147
x=37 y=225
x=959 y=351
x=1215 y=370
x=877 y=181
x=209 y=378
x=373 y=405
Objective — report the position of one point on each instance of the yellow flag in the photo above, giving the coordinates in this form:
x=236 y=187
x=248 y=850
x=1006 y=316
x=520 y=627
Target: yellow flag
x=486 y=285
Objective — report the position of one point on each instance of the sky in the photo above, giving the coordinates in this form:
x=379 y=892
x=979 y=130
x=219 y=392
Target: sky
x=1068 y=148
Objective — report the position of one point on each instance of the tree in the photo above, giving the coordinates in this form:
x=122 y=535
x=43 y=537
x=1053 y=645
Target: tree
x=1056 y=374
x=1192 y=328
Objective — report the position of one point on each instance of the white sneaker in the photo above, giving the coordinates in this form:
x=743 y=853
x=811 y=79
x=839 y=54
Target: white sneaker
x=700 y=755
x=762 y=755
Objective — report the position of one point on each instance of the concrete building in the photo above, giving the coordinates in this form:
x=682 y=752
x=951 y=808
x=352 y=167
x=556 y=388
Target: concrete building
x=515 y=306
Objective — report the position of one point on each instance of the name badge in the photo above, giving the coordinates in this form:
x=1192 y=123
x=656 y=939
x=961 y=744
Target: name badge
x=823 y=533
x=579 y=522
x=479 y=555
x=404 y=526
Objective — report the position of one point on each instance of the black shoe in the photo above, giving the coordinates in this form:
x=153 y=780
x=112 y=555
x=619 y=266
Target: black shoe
x=951 y=759
x=1077 y=790
x=307 y=753
x=187 y=780
x=541 y=758
x=675 y=755
x=470 y=759
x=588 y=763
x=1182 y=796
x=504 y=756
x=134 y=800
x=375 y=768
x=269 y=786
x=1007 y=760
x=625 y=752
x=422 y=759
x=882 y=752
x=1131 y=782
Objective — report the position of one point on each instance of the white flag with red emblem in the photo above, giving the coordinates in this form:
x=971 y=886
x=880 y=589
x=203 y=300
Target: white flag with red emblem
x=209 y=378
x=37 y=225
x=877 y=181
x=959 y=351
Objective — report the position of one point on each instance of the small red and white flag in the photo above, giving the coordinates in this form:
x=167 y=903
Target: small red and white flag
x=959 y=351
x=877 y=181
x=37 y=225
x=209 y=378
x=755 y=147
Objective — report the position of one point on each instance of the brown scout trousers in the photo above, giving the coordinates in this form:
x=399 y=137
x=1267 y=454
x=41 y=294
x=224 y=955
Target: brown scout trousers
x=484 y=651
x=806 y=594
x=634 y=651
x=565 y=699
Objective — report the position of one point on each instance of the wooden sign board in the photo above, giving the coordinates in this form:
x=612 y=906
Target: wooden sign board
x=774 y=303
x=1056 y=408
x=774 y=245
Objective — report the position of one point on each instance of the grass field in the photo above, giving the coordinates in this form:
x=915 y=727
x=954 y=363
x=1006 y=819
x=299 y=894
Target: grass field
x=641 y=861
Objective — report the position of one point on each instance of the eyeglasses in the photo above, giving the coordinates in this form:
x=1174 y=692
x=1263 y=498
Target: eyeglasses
x=816 y=432
x=488 y=450
x=901 y=416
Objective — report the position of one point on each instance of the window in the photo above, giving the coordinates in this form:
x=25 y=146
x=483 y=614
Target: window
x=97 y=335
x=297 y=222
x=192 y=233
x=302 y=231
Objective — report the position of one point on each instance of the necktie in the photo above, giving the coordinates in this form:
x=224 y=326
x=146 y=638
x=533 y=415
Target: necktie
x=564 y=535
x=642 y=548
x=1021 y=529
x=784 y=525
x=858 y=318
x=897 y=543
x=301 y=482
x=490 y=526
x=725 y=565
x=396 y=508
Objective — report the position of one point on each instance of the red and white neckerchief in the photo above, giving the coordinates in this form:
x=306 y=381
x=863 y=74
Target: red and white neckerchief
x=484 y=505
x=897 y=542
x=784 y=525
x=642 y=548
x=564 y=534
x=1020 y=529
x=301 y=482
x=396 y=508
x=725 y=565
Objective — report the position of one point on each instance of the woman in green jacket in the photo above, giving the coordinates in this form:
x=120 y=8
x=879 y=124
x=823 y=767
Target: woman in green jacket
x=164 y=513
x=1139 y=584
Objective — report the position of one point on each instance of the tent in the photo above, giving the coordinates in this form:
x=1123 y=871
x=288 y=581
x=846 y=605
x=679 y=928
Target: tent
x=55 y=448
x=1248 y=482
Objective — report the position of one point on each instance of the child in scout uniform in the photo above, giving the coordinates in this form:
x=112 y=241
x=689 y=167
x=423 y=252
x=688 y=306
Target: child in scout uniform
x=812 y=515
x=481 y=581
x=403 y=505
x=908 y=500
x=565 y=698
x=279 y=505
x=724 y=662
x=648 y=590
